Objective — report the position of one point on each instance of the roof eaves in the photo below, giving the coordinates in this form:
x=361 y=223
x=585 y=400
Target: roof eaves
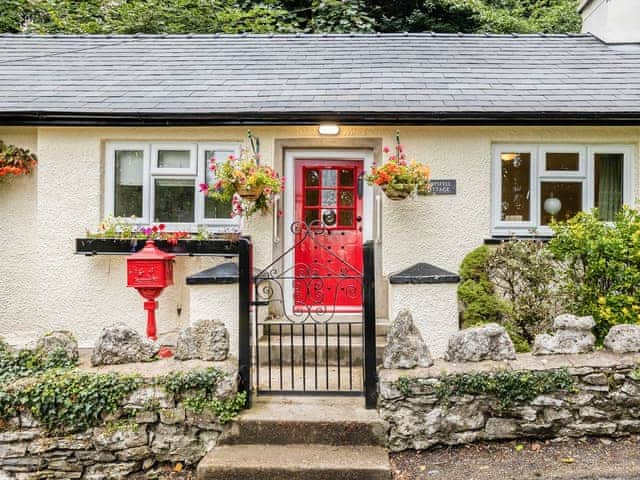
x=313 y=118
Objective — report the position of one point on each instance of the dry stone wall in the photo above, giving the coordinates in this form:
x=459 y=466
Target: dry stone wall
x=160 y=431
x=603 y=400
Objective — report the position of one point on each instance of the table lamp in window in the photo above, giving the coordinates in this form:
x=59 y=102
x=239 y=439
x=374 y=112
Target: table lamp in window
x=552 y=206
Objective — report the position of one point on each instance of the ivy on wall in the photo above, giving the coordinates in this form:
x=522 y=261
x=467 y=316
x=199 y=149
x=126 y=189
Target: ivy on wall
x=507 y=387
x=64 y=399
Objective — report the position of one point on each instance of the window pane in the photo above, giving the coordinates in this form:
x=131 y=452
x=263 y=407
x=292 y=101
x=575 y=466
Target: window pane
x=312 y=198
x=346 y=178
x=346 y=198
x=560 y=200
x=174 y=159
x=215 y=208
x=516 y=187
x=312 y=178
x=128 y=183
x=569 y=162
x=608 y=184
x=329 y=178
x=328 y=198
x=174 y=200
x=345 y=218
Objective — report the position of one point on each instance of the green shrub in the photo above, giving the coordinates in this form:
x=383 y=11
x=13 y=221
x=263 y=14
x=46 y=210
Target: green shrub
x=513 y=285
x=603 y=278
x=473 y=266
x=28 y=363
x=525 y=275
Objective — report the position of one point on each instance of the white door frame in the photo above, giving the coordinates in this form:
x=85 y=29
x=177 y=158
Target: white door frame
x=289 y=207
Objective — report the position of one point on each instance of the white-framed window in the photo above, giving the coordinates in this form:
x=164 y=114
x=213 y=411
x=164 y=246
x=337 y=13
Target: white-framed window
x=158 y=182
x=535 y=183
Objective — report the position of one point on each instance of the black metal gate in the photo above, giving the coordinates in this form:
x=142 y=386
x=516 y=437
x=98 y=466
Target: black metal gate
x=304 y=344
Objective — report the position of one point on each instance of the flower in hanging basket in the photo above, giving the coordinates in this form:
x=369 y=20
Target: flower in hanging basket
x=397 y=177
x=249 y=186
x=15 y=161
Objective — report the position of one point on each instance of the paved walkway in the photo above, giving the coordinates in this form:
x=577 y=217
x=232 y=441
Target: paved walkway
x=567 y=460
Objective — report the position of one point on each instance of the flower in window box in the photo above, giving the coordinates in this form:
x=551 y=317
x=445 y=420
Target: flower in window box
x=397 y=177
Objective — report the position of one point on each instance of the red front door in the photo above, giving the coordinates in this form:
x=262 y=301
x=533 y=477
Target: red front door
x=327 y=198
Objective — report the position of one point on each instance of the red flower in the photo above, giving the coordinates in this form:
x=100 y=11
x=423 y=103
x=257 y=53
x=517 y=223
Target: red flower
x=162 y=226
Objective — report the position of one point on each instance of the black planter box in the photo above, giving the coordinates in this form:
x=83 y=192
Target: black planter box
x=112 y=246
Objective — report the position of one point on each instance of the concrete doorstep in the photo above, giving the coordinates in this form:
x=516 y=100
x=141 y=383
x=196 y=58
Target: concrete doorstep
x=318 y=438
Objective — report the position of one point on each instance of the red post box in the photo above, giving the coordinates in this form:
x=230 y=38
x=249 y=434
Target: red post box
x=149 y=271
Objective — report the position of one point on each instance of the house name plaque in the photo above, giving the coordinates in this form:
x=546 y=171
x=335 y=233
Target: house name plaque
x=443 y=187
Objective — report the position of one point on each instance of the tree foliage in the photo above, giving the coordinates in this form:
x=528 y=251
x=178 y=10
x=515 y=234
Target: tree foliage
x=284 y=16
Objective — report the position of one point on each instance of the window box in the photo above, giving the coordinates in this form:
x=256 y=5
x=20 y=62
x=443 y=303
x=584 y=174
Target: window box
x=225 y=245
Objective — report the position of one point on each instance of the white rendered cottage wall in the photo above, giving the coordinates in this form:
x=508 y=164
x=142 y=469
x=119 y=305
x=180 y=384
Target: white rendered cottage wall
x=52 y=288
x=434 y=308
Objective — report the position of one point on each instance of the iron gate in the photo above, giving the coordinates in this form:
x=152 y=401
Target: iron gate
x=305 y=343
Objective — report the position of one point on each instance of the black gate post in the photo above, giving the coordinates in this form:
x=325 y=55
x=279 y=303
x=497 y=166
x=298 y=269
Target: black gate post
x=369 y=312
x=244 y=316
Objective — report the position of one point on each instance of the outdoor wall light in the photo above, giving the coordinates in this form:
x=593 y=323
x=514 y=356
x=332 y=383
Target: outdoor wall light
x=328 y=129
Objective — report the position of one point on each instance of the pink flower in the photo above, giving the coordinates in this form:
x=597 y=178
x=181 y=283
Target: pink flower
x=280 y=213
x=212 y=160
x=204 y=188
x=400 y=148
x=402 y=162
x=232 y=157
x=217 y=185
x=267 y=191
x=212 y=167
x=385 y=149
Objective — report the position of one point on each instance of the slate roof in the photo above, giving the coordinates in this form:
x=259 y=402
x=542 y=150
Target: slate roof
x=280 y=78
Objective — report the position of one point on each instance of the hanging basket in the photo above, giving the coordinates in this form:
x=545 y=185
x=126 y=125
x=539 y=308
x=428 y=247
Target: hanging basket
x=250 y=194
x=398 y=191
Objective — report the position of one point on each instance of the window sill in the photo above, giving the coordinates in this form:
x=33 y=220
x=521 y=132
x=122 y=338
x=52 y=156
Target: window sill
x=226 y=245
x=499 y=239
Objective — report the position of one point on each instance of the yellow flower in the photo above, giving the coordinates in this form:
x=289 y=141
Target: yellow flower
x=602 y=300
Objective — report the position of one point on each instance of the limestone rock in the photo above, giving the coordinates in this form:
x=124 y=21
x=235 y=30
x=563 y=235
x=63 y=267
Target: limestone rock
x=405 y=345
x=488 y=342
x=563 y=341
x=572 y=335
x=122 y=344
x=567 y=321
x=623 y=339
x=58 y=340
x=206 y=340
x=119 y=439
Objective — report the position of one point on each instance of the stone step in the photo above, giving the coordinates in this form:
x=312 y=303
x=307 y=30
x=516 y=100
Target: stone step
x=326 y=348
x=316 y=420
x=295 y=462
x=331 y=328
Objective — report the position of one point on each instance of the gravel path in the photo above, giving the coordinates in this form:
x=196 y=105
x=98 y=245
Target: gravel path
x=589 y=458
